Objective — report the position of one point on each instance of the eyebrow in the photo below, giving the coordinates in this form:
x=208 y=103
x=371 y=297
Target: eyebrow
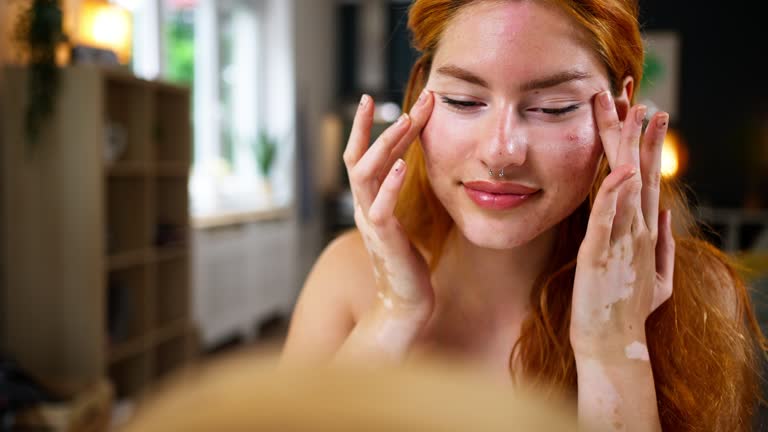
x=536 y=84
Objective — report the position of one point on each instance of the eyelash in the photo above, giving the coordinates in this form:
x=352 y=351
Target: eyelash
x=464 y=105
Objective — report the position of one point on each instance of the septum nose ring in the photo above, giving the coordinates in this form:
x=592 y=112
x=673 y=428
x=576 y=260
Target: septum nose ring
x=501 y=172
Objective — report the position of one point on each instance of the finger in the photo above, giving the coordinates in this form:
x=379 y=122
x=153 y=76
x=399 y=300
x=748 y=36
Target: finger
x=383 y=207
x=665 y=260
x=650 y=168
x=420 y=114
x=600 y=224
x=628 y=217
x=369 y=166
x=608 y=126
x=629 y=148
x=361 y=132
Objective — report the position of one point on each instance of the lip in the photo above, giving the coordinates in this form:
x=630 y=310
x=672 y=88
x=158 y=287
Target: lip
x=498 y=195
x=500 y=187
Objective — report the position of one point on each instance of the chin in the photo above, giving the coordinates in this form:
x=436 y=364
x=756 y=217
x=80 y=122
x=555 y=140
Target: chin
x=508 y=233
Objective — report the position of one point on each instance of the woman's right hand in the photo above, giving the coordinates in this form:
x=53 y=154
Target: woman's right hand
x=376 y=175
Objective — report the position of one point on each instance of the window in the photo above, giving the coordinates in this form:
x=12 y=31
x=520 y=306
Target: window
x=215 y=46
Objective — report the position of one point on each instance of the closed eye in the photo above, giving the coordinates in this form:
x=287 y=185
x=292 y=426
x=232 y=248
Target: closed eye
x=557 y=111
x=460 y=104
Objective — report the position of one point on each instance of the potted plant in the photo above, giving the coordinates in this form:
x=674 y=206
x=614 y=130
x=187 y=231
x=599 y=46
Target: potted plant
x=264 y=153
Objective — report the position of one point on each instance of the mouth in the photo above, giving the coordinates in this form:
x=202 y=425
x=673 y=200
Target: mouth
x=498 y=195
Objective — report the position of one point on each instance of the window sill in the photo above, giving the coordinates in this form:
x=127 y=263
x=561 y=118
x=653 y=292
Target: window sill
x=225 y=219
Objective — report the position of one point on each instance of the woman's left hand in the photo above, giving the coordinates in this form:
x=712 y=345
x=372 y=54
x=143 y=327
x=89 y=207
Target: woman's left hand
x=625 y=263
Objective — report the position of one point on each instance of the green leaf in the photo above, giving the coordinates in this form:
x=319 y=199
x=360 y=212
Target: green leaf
x=264 y=150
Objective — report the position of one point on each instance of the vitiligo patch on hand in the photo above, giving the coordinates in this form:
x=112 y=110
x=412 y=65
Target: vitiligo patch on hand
x=386 y=300
x=636 y=351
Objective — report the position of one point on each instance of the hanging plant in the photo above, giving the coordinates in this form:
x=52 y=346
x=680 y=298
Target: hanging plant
x=38 y=32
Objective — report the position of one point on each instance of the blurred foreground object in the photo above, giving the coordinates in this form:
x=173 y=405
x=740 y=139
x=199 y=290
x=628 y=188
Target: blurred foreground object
x=252 y=394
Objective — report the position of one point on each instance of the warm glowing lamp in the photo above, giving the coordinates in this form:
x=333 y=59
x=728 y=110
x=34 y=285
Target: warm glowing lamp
x=673 y=155
x=106 y=26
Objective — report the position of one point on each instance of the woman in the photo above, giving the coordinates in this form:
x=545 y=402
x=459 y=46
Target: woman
x=528 y=229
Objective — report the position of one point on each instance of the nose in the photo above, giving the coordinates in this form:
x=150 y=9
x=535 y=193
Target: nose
x=507 y=146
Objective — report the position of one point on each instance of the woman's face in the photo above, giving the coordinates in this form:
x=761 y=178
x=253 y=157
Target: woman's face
x=514 y=83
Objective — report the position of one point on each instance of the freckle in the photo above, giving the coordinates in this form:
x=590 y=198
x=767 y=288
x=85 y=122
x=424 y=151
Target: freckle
x=630 y=326
x=618 y=425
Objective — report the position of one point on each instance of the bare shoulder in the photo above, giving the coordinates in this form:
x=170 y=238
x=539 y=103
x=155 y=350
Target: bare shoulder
x=339 y=288
x=345 y=266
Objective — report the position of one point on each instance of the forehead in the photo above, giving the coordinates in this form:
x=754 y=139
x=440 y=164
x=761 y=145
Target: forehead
x=517 y=39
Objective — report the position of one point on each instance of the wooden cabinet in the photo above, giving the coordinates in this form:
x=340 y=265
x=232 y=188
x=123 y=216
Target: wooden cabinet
x=96 y=248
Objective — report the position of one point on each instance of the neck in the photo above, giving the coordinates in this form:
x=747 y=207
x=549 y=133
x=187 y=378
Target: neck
x=496 y=284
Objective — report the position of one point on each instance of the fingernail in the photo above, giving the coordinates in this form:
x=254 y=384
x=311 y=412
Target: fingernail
x=364 y=101
x=399 y=165
x=640 y=113
x=422 y=98
x=605 y=100
x=663 y=120
x=401 y=119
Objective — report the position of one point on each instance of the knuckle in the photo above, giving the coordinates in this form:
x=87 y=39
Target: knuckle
x=653 y=180
x=642 y=236
x=605 y=216
x=588 y=255
x=377 y=219
x=613 y=124
x=635 y=185
x=347 y=158
x=357 y=175
x=671 y=244
x=654 y=237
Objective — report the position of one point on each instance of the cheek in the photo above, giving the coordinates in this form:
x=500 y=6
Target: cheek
x=445 y=141
x=577 y=159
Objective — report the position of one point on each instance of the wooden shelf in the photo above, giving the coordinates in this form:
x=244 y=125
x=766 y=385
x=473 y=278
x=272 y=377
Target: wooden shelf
x=172 y=299
x=129 y=259
x=171 y=354
x=170 y=331
x=173 y=169
x=174 y=125
x=131 y=375
x=171 y=252
x=128 y=349
x=121 y=302
x=129 y=169
x=129 y=219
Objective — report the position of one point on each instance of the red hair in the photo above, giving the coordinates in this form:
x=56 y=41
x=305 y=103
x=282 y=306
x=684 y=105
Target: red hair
x=704 y=342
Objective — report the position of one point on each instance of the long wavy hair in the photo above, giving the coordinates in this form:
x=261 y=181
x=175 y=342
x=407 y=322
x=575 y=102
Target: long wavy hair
x=704 y=342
